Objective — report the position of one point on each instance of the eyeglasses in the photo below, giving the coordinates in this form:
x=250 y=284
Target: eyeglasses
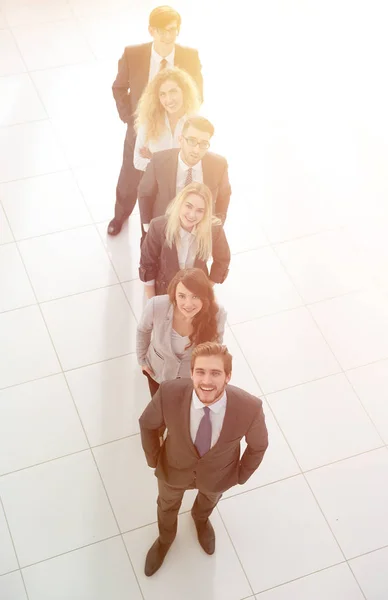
x=170 y=31
x=192 y=141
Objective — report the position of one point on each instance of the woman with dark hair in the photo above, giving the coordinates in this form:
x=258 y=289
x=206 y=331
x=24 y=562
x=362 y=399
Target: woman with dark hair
x=173 y=324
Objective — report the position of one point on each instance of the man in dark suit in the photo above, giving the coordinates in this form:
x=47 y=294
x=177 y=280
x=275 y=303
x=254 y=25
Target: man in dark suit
x=169 y=171
x=205 y=420
x=137 y=66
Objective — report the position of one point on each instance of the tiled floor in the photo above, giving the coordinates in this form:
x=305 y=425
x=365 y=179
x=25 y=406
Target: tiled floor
x=303 y=124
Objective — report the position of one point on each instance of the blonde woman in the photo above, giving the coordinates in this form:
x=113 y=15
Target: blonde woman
x=163 y=108
x=185 y=237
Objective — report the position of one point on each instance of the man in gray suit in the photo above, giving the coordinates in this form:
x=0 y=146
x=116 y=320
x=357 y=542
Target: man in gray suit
x=205 y=419
x=169 y=171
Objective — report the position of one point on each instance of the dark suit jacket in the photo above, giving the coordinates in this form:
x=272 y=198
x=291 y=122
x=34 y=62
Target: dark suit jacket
x=133 y=73
x=158 y=184
x=177 y=461
x=159 y=262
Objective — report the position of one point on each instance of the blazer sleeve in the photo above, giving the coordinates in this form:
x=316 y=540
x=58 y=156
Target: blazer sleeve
x=147 y=191
x=221 y=320
x=257 y=440
x=144 y=331
x=120 y=91
x=223 y=197
x=139 y=162
x=150 y=422
x=150 y=253
x=221 y=255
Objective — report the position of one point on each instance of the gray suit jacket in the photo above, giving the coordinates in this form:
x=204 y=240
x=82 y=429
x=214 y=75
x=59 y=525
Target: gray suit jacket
x=153 y=340
x=177 y=461
x=158 y=184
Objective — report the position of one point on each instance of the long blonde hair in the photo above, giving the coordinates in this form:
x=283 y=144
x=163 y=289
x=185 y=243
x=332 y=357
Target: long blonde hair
x=203 y=231
x=151 y=113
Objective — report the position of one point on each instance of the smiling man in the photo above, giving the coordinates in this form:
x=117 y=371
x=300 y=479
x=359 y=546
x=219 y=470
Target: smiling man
x=169 y=171
x=206 y=418
x=138 y=65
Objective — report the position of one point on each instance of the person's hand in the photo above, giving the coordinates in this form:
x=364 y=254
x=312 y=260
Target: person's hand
x=145 y=152
x=148 y=370
x=212 y=283
x=149 y=291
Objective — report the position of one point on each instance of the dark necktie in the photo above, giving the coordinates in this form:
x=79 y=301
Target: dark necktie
x=163 y=64
x=189 y=176
x=203 y=439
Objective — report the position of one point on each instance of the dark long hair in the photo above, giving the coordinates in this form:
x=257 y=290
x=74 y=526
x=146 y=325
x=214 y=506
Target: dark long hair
x=205 y=321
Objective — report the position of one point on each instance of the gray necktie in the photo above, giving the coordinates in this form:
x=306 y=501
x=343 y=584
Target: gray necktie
x=163 y=64
x=203 y=439
x=189 y=176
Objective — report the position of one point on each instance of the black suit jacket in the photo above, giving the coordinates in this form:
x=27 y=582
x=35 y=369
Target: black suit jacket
x=133 y=73
x=160 y=262
x=177 y=461
x=158 y=185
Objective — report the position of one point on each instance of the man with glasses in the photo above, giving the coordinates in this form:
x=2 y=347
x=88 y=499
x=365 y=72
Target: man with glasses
x=169 y=171
x=137 y=66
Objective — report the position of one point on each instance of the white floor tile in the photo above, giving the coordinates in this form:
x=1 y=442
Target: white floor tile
x=20 y=12
x=5 y=231
x=242 y=375
x=29 y=149
x=278 y=462
x=53 y=44
x=134 y=291
x=187 y=571
x=131 y=484
x=8 y=560
x=324 y=421
x=273 y=290
x=38 y=422
x=285 y=349
x=98 y=186
x=372 y=573
x=355 y=326
x=78 y=255
x=324 y=265
x=91 y=327
x=124 y=249
x=336 y=583
x=110 y=397
x=56 y=507
x=97 y=572
x=25 y=357
x=16 y=290
x=241 y=232
x=11 y=61
x=371 y=385
x=353 y=495
x=267 y=519
x=108 y=34
x=83 y=8
x=46 y=204
x=3 y=24
x=19 y=100
x=11 y=587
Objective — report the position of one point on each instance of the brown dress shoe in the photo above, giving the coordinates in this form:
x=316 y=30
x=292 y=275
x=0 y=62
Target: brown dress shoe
x=155 y=557
x=114 y=227
x=206 y=535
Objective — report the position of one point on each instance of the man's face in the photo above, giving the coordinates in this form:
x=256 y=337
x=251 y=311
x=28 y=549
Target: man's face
x=191 y=142
x=165 y=38
x=209 y=378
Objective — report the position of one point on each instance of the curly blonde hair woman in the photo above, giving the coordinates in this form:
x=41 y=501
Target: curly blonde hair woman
x=185 y=237
x=163 y=108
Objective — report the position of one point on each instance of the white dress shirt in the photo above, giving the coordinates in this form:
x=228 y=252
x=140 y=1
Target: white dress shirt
x=187 y=251
x=156 y=60
x=166 y=141
x=217 y=415
x=181 y=174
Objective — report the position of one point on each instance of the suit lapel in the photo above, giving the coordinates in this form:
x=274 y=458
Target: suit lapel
x=171 y=170
x=143 y=67
x=209 y=174
x=168 y=329
x=179 y=57
x=185 y=408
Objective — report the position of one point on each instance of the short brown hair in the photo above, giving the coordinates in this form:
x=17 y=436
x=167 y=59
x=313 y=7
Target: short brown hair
x=164 y=15
x=199 y=123
x=213 y=349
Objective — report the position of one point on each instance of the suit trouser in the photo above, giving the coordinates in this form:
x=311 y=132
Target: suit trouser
x=129 y=179
x=169 y=503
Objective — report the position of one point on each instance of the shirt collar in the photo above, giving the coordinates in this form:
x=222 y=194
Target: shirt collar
x=185 y=167
x=184 y=233
x=169 y=58
x=216 y=407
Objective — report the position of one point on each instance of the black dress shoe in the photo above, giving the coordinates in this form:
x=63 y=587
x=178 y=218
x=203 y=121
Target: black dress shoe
x=206 y=535
x=155 y=557
x=114 y=227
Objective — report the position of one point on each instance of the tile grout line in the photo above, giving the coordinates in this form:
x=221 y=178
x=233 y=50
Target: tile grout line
x=2 y=508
